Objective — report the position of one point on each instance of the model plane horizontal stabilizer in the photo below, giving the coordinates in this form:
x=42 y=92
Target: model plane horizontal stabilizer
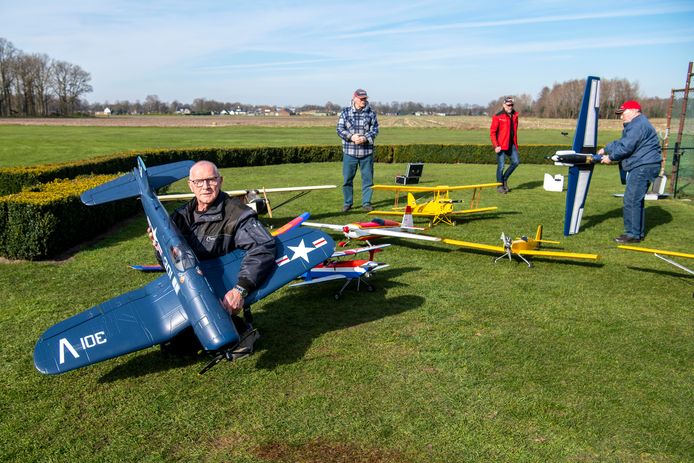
x=127 y=186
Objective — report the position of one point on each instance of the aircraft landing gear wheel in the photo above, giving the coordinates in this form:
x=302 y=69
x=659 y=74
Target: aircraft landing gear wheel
x=370 y=288
x=337 y=296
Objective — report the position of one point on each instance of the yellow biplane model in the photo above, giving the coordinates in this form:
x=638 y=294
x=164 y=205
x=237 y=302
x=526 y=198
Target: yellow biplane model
x=440 y=208
x=660 y=254
x=522 y=247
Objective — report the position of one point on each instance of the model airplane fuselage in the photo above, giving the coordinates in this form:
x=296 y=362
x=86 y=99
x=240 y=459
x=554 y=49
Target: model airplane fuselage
x=188 y=295
x=364 y=231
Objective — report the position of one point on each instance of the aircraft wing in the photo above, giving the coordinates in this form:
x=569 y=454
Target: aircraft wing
x=132 y=321
x=153 y=314
x=437 y=189
x=559 y=254
x=399 y=234
x=470 y=245
x=182 y=196
x=657 y=251
x=329 y=226
x=321 y=279
x=351 y=252
x=298 y=251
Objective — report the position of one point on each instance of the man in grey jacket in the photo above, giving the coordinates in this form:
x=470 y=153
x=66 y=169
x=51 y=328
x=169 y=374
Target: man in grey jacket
x=214 y=224
x=639 y=152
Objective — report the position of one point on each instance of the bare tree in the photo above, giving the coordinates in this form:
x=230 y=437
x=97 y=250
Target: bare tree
x=69 y=81
x=153 y=105
x=7 y=56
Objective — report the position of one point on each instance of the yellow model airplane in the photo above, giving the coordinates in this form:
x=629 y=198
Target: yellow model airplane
x=660 y=254
x=440 y=208
x=521 y=247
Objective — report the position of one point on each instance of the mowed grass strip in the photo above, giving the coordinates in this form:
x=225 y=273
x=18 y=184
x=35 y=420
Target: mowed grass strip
x=31 y=145
x=452 y=358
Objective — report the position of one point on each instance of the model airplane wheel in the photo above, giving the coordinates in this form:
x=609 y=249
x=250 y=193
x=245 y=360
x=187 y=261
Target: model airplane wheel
x=337 y=297
x=370 y=288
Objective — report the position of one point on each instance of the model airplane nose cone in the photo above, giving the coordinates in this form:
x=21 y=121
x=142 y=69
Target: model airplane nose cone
x=345 y=229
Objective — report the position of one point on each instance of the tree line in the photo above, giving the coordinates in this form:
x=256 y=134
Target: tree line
x=36 y=85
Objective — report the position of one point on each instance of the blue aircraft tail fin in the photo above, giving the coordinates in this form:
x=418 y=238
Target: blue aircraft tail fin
x=127 y=186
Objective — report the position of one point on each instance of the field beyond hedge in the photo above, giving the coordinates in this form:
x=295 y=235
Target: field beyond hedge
x=452 y=358
x=39 y=141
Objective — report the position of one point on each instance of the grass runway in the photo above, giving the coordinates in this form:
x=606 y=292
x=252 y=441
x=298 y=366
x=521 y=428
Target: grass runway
x=452 y=358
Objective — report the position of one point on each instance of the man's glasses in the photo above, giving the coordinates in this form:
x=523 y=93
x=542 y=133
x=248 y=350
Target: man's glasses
x=212 y=181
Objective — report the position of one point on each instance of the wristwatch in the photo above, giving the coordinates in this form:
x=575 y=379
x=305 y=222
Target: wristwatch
x=242 y=290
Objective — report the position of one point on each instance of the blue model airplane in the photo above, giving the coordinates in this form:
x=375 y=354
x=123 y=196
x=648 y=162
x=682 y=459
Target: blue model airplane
x=187 y=295
x=582 y=157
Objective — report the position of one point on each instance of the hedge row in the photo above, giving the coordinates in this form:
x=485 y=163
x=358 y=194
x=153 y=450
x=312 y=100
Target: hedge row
x=46 y=220
x=47 y=217
x=13 y=179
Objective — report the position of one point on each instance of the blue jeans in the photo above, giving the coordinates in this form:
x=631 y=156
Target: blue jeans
x=639 y=180
x=512 y=152
x=349 y=170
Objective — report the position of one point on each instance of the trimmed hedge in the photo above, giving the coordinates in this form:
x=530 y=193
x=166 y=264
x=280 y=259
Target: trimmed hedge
x=47 y=216
x=44 y=221
x=13 y=179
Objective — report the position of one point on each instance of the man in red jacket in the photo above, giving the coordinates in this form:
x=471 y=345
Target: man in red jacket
x=504 y=135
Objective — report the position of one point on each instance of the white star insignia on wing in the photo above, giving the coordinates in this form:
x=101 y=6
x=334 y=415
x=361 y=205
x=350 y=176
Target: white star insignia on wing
x=300 y=251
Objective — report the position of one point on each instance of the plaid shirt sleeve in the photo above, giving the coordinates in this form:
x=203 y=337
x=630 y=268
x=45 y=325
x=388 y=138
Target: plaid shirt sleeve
x=363 y=122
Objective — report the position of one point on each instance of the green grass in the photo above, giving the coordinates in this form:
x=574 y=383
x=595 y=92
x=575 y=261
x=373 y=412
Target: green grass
x=30 y=145
x=452 y=358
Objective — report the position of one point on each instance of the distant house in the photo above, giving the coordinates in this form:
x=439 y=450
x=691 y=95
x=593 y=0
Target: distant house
x=105 y=113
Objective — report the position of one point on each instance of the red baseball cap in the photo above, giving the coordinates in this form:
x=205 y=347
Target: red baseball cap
x=631 y=104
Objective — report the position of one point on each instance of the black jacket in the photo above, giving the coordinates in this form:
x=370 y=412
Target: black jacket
x=228 y=225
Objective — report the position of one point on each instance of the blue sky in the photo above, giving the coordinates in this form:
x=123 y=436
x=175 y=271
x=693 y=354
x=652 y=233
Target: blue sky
x=312 y=52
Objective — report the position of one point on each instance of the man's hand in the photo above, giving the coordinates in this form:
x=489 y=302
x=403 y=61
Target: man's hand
x=155 y=243
x=358 y=139
x=233 y=301
x=605 y=158
x=497 y=149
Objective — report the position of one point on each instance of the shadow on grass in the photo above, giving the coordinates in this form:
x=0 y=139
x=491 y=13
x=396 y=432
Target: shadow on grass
x=655 y=217
x=528 y=185
x=671 y=273
x=289 y=325
x=532 y=259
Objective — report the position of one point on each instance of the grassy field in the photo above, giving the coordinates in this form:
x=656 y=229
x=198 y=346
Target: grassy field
x=452 y=358
x=39 y=144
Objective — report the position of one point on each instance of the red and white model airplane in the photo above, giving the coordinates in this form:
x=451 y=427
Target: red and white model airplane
x=358 y=270
x=376 y=228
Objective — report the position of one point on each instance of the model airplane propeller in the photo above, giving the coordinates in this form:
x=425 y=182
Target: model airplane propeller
x=188 y=295
x=440 y=208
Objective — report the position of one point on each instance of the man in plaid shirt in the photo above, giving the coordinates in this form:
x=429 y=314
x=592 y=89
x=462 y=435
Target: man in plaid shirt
x=358 y=127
